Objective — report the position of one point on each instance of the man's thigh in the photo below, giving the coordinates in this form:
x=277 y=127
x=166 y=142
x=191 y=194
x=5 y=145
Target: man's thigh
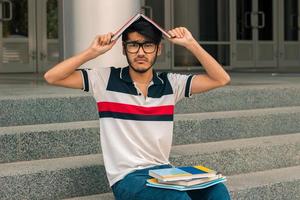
x=215 y=192
x=133 y=187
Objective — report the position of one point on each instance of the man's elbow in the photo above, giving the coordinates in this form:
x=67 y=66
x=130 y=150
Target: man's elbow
x=49 y=79
x=225 y=81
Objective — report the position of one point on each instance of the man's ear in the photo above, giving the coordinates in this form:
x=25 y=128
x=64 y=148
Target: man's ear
x=160 y=46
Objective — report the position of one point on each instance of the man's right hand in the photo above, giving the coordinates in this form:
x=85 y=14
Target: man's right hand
x=101 y=44
x=64 y=74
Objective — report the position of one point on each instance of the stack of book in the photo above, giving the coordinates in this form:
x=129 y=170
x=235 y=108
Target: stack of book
x=184 y=178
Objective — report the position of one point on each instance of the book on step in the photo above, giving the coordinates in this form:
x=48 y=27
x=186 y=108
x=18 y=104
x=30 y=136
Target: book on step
x=119 y=32
x=182 y=173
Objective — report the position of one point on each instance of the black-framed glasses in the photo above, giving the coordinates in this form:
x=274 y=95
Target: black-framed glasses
x=134 y=47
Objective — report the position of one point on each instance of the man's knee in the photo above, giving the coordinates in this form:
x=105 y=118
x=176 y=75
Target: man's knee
x=138 y=191
x=219 y=192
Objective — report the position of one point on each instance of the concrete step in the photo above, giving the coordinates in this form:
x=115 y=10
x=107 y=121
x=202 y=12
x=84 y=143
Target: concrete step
x=53 y=179
x=216 y=126
x=44 y=109
x=105 y=196
x=241 y=155
x=79 y=138
x=249 y=96
x=276 y=184
x=85 y=175
x=54 y=108
x=283 y=184
x=44 y=141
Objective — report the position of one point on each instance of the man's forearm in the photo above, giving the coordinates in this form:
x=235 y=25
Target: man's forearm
x=212 y=67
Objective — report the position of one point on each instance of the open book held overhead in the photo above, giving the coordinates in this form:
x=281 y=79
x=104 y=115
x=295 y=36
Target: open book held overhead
x=119 y=32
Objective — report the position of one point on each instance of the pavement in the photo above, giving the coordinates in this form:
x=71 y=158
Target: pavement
x=34 y=84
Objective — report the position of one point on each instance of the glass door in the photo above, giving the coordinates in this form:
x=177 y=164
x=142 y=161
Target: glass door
x=243 y=53
x=267 y=33
x=159 y=11
x=17 y=36
x=254 y=34
x=28 y=35
x=47 y=34
x=209 y=22
x=289 y=33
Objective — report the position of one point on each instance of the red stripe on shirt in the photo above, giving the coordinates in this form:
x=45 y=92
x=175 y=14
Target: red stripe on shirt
x=132 y=109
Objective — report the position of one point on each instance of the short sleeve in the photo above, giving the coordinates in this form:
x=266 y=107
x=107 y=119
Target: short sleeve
x=181 y=85
x=94 y=80
x=85 y=78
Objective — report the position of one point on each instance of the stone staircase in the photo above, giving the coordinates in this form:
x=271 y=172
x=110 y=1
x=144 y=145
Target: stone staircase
x=50 y=144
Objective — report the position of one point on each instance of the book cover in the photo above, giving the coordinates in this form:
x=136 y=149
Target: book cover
x=182 y=173
x=154 y=183
x=119 y=32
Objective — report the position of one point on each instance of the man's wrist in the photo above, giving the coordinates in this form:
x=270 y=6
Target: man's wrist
x=89 y=54
x=192 y=45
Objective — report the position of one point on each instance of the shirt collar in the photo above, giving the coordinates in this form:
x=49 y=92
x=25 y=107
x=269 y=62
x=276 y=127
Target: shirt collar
x=125 y=76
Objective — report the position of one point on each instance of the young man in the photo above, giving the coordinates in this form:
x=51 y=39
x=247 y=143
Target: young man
x=136 y=107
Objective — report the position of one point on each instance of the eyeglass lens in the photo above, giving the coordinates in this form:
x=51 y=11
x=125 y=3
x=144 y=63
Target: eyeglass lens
x=134 y=47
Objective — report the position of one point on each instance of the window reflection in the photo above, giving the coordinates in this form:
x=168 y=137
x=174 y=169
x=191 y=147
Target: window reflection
x=291 y=20
x=208 y=21
x=15 y=48
x=18 y=26
x=243 y=19
x=220 y=52
x=156 y=9
x=265 y=20
x=52 y=31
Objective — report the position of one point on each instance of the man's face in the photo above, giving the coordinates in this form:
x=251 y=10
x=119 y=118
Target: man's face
x=140 y=52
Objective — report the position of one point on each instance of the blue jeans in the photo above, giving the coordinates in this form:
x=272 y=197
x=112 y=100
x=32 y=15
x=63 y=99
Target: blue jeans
x=133 y=187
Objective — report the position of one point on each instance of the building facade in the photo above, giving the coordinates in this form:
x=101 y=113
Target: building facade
x=243 y=35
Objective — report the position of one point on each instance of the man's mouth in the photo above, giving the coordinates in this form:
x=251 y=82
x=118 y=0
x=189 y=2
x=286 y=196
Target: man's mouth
x=140 y=60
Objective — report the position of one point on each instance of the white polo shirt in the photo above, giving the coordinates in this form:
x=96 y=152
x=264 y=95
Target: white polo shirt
x=136 y=131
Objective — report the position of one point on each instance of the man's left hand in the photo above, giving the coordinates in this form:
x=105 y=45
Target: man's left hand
x=181 y=36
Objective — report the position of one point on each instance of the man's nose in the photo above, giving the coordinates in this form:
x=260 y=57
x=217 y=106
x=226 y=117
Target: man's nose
x=141 y=51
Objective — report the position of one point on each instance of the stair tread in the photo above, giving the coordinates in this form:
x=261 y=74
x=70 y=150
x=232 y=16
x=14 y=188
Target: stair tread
x=238 y=113
x=195 y=116
x=49 y=91
x=39 y=95
x=209 y=147
x=27 y=167
x=35 y=166
x=261 y=178
x=49 y=127
x=104 y=196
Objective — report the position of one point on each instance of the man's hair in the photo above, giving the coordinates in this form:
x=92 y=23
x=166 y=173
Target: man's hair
x=144 y=28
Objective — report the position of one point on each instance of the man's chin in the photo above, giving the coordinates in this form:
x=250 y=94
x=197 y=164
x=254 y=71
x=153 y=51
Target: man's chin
x=141 y=69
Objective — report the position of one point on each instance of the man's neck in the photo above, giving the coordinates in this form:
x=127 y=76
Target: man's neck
x=141 y=78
